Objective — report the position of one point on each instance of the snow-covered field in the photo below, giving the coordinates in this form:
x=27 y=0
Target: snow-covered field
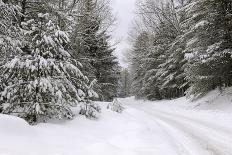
x=176 y=127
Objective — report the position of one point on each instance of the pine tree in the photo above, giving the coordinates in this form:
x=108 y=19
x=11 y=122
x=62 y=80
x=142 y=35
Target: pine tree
x=140 y=52
x=209 y=45
x=172 y=78
x=85 y=39
x=107 y=69
x=10 y=35
x=45 y=82
x=125 y=83
x=10 y=32
x=152 y=77
x=92 y=47
x=163 y=62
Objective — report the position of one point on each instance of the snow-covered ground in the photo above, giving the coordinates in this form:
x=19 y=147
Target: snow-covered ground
x=176 y=127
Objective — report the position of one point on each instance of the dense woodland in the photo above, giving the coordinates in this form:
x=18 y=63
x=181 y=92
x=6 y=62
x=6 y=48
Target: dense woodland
x=181 y=47
x=56 y=55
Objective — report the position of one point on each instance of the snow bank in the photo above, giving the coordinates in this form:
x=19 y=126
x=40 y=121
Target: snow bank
x=139 y=130
x=79 y=136
x=13 y=125
x=218 y=100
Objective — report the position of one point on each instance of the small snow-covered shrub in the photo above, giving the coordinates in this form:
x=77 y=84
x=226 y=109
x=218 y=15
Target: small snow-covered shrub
x=115 y=106
x=90 y=109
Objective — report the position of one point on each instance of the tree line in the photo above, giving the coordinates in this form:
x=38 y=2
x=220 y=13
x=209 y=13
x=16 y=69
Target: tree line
x=181 y=47
x=56 y=55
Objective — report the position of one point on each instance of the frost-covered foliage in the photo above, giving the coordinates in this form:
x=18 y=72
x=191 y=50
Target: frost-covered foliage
x=209 y=43
x=125 y=84
x=115 y=106
x=91 y=45
x=157 y=56
x=10 y=32
x=45 y=82
x=190 y=48
x=10 y=35
x=89 y=108
x=49 y=60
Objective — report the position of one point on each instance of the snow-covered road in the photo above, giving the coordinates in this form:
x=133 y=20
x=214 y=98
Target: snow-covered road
x=188 y=133
x=175 y=127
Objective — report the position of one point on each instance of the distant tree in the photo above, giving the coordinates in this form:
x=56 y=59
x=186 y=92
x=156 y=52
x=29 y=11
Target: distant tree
x=139 y=52
x=125 y=83
x=162 y=63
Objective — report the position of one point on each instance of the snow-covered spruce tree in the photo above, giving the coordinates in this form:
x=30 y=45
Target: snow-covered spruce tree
x=139 y=54
x=107 y=70
x=152 y=81
x=125 y=83
x=84 y=37
x=209 y=45
x=10 y=32
x=90 y=45
x=171 y=71
x=44 y=82
x=10 y=35
x=88 y=107
x=163 y=62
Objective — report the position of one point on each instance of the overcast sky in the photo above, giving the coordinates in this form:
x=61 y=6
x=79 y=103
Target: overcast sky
x=124 y=10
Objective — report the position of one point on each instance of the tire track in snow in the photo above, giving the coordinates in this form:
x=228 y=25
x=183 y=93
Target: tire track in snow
x=178 y=146
x=205 y=148
x=191 y=145
x=218 y=142
x=226 y=130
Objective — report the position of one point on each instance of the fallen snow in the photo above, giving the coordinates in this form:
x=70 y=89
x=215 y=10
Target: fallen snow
x=176 y=127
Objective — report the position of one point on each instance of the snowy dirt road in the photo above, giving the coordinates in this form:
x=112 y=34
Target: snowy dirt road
x=189 y=132
x=175 y=127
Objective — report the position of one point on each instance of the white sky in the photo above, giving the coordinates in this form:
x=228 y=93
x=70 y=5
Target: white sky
x=124 y=10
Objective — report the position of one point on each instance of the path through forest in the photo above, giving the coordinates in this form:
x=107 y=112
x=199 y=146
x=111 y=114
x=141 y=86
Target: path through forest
x=175 y=127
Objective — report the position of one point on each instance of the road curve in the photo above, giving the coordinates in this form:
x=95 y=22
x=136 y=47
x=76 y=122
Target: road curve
x=192 y=136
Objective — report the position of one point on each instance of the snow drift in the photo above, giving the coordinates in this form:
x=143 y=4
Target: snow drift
x=175 y=127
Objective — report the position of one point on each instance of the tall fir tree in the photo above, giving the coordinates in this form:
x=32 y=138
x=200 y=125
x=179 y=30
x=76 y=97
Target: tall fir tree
x=139 y=53
x=91 y=45
x=11 y=39
x=107 y=70
x=209 y=45
x=44 y=82
x=10 y=32
x=125 y=83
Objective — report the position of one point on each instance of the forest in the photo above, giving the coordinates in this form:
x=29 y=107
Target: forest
x=56 y=55
x=181 y=48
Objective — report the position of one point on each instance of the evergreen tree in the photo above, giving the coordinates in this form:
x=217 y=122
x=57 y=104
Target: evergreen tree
x=10 y=35
x=10 y=32
x=139 y=53
x=107 y=69
x=209 y=45
x=171 y=71
x=45 y=82
x=91 y=46
x=125 y=83
x=163 y=61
